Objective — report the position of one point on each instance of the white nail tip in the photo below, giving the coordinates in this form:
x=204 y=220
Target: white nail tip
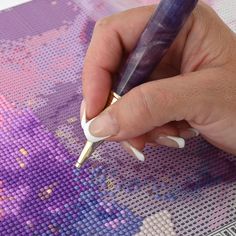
x=137 y=153
x=179 y=141
x=83 y=120
x=195 y=131
x=88 y=134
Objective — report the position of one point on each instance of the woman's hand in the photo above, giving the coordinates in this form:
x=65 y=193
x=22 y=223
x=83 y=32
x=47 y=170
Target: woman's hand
x=198 y=93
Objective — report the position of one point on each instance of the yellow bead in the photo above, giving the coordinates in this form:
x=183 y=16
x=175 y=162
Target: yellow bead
x=110 y=184
x=49 y=191
x=59 y=133
x=24 y=152
x=21 y=163
x=72 y=120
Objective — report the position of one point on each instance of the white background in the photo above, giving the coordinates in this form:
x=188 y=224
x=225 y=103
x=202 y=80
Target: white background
x=5 y=4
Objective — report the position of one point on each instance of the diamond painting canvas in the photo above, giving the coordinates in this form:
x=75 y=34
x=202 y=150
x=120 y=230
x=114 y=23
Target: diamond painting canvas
x=174 y=192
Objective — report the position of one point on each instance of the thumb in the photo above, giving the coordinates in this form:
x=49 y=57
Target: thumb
x=151 y=105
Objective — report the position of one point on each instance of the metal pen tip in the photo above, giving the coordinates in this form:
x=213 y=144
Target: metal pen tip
x=86 y=153
x=78 y=165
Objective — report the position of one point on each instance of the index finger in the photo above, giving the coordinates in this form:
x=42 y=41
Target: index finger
x=113 y=37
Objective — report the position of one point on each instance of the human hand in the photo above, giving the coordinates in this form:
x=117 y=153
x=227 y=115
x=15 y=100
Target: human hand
x=198 y=93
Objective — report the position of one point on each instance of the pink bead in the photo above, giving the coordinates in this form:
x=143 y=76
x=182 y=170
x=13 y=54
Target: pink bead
x=122 y=212
x=123 y=221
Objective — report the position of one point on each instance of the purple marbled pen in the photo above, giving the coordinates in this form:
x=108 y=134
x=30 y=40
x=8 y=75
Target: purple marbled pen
x=159 y=34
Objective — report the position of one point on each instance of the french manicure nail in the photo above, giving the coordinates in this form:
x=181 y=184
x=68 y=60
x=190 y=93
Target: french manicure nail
x=100 y=127
x=83 y=114
x=133 y=151
x=189 y=133
x=171 y=141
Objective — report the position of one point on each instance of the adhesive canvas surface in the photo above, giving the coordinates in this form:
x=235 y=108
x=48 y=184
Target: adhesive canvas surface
x=174 y=192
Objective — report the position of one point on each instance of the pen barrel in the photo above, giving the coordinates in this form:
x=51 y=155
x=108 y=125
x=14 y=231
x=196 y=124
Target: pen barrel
x=158 y=36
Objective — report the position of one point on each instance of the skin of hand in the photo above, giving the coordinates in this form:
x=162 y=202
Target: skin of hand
x=192 y=91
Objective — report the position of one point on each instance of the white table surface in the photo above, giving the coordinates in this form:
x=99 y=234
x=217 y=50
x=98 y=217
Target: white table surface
x=5 y=4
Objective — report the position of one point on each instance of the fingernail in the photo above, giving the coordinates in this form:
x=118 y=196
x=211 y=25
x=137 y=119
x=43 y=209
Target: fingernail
x=171 y=141
x=189 y=133
x=133 y=151
x=83 y=114
x=101 y=127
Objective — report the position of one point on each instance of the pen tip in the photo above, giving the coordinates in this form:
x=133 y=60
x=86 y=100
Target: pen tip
x=78 y=165
x=86 y=152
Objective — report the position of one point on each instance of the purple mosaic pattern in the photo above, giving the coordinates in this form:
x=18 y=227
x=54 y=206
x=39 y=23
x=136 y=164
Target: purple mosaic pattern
x=40 y=139
x=35 y=17
x=41 y=190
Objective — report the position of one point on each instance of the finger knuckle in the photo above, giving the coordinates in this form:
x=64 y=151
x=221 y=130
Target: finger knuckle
x=146 y=103
x=157 y=103
x=103 y=23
